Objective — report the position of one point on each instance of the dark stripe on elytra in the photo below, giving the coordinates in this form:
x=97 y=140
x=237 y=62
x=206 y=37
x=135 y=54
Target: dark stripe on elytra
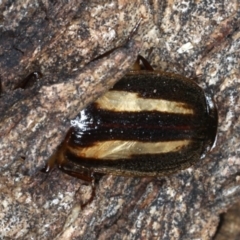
x=143 y=162
x=162 y=87
x=142 y=126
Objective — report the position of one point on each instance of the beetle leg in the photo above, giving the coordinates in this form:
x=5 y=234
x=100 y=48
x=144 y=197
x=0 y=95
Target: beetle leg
x=81 y=173
x=141 y=64
x=145 y=63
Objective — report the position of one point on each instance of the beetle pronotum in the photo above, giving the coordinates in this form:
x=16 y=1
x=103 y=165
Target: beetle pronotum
x=149 y=124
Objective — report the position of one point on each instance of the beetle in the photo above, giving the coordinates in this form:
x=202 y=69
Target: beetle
x=149 y=124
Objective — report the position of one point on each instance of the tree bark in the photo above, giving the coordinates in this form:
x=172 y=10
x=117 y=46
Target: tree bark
x=60 y=40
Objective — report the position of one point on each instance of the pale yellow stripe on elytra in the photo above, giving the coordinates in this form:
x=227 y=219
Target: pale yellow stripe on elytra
x=116 y=149
x=121 y=101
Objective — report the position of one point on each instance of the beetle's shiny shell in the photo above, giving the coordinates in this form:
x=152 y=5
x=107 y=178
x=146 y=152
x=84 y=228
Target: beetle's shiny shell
x=148 y=124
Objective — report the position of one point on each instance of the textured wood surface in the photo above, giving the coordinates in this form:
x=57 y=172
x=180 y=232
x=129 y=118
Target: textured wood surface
x=229 y=224
x=198 y=39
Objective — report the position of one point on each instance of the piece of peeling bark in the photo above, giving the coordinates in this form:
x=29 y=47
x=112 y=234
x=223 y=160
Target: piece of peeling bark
x=202 y=37
x=30 y=127
x=37 y=118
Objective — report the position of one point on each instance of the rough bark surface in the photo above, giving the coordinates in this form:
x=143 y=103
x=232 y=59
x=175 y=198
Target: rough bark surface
x=229 y=224
x=60 y=39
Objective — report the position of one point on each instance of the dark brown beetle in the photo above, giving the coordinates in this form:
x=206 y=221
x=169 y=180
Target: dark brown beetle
x=149 y=124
